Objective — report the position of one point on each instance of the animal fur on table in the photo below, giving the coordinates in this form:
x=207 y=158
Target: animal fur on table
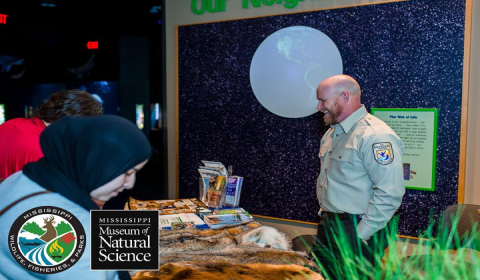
x=227 y=271
x=243 y=253
x=248 y=247
x=216 y=239
x=248 y=243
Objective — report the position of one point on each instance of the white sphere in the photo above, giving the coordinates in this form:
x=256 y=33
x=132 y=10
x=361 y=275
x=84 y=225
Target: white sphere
x=287 y=68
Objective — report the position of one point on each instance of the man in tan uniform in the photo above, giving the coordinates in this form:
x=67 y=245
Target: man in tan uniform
x=361 y=181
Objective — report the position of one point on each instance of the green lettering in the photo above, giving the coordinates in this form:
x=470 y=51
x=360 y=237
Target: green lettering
x=222 y=5
x=210 y=7
x=290 y=4
x=194 y=7
x=255 y=3
x=269 y=2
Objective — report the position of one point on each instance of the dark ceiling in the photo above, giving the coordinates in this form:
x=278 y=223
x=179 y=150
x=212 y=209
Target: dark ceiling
x=51 y=35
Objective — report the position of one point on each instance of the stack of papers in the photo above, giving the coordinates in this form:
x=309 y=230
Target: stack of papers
x=165 y=221
x=217 y=221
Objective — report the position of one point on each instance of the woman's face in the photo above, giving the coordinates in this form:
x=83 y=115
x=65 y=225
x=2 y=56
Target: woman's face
x=117 y=185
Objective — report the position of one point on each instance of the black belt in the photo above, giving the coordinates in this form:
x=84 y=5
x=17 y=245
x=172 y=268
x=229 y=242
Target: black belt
x=341 y=216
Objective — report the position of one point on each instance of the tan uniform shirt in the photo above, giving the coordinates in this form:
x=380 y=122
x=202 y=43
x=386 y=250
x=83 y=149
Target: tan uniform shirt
x=361 y=171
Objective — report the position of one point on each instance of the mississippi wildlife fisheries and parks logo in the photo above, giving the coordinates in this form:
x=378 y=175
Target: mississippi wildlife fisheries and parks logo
x=47 y=240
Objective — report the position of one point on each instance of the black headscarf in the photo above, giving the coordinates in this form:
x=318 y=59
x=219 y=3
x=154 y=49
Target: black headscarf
x=84 y=153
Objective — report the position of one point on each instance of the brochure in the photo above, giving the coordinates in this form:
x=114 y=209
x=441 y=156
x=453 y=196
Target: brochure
x=166 y=207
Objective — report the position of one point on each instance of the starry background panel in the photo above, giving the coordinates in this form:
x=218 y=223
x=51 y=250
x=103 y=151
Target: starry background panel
x=403 y=54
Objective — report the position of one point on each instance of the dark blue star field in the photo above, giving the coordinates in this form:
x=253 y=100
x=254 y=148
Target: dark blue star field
x=403 y=54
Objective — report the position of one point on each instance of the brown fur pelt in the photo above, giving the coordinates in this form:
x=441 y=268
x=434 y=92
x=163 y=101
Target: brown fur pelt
x=220 y=270
x=184 y=241
x=194 y=239
x=245 y=253
x=232 y=230
x=240 y=245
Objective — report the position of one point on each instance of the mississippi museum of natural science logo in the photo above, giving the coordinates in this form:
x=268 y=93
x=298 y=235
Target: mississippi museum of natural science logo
x=47 y=239
x=124 y=240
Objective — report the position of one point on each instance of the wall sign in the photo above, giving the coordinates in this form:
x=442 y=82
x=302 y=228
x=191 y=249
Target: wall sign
x=212 y=6
x=418 y=130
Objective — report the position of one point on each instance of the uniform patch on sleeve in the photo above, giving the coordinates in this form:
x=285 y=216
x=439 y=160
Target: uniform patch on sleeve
x=383 y=152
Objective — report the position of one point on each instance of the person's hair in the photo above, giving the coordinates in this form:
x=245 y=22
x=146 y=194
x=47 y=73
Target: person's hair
x=72 y=102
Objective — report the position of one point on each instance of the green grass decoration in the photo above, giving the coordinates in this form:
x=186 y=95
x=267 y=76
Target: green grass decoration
x=440 y=254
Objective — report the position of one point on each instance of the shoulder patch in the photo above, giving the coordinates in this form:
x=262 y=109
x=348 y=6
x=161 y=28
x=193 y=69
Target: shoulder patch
x=383 y=152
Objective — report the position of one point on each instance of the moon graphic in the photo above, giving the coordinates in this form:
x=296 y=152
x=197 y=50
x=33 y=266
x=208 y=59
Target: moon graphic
x=287 y=68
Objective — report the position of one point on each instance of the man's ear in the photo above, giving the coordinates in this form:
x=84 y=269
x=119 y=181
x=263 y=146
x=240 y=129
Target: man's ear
x=345 y=95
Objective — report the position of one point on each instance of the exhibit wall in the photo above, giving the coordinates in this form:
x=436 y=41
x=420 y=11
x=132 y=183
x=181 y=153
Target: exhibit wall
x=401 y=59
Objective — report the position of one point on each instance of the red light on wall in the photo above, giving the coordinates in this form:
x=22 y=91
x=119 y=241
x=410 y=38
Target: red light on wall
x=3 y=19
x=93 y=45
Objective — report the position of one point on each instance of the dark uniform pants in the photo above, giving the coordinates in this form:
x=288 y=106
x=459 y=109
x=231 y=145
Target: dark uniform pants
x=342 y=254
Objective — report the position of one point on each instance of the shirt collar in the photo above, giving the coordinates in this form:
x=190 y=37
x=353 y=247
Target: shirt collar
x=351 y=120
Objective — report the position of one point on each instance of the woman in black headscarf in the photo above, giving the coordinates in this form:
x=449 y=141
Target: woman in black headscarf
x=87 y=161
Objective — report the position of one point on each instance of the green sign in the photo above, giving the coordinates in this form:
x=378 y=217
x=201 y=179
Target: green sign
x=418 y=130
x=212 y=6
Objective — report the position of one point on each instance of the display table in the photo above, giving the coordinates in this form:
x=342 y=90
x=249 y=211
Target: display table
x=247 y=251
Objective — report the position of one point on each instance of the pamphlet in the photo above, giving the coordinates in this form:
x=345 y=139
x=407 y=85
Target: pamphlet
x=166 y=207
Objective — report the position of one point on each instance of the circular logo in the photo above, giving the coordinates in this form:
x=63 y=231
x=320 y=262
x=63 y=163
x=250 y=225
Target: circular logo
x=47 y=239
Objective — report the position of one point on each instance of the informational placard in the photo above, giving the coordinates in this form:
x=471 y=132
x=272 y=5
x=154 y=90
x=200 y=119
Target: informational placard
x=418 y=130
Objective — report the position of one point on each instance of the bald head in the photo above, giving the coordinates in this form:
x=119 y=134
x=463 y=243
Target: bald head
x=339 y=97
x=341 y=83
